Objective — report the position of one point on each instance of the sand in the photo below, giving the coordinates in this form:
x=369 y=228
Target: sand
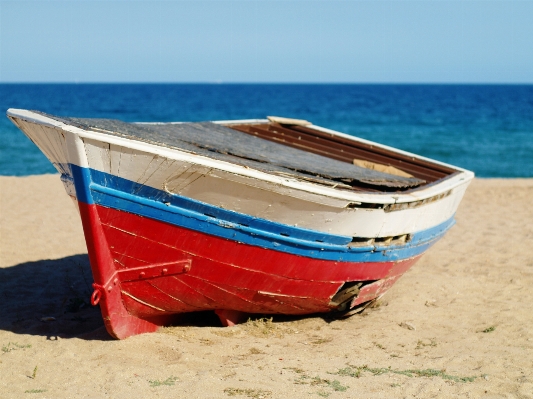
x=458 y=324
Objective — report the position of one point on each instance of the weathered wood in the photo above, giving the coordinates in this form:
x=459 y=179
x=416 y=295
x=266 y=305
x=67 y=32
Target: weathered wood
x=221 y=142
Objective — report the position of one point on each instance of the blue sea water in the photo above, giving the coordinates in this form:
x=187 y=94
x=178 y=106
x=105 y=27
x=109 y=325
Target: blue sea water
x=485 y=128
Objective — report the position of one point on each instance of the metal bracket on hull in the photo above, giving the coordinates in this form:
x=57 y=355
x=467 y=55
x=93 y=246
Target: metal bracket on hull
x=140 y=273
x=153 y=271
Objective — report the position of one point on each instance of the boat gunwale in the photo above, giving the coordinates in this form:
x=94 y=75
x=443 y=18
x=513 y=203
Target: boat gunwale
x=427 y=191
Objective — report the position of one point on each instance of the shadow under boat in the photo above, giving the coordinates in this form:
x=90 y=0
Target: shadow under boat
x=51 y=298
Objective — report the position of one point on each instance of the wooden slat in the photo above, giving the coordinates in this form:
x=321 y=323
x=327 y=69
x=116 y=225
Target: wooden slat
x=338 y=151
x=376 y=150
x=342 y=149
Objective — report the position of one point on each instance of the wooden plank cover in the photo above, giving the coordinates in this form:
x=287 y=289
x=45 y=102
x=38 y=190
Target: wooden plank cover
x=223 y=143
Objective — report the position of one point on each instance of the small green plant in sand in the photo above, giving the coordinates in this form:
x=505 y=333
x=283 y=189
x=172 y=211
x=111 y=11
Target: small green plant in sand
x=336 y=386
x=489 y=329
x=11 y=346
x=251 y=393
x=421 y=344
x=34 y=374
x=356 y=371
x=350 y=371
x=304 y=379
x=169 y=381
x=317 y=381
x=35 y=391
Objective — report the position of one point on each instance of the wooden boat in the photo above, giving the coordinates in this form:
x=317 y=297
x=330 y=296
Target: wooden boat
x=250 y=216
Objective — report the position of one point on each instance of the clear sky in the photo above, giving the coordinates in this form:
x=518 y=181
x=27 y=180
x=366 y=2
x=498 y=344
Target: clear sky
x=267 y=41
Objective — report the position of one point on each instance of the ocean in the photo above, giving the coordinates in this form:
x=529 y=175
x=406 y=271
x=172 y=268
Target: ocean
x=484 y=128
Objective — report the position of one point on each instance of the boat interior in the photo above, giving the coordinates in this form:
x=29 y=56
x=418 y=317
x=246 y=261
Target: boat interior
x=286 y=148
x=347 y=150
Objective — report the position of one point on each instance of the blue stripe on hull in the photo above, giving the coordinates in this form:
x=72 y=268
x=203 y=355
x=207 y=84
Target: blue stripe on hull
x=118 y=193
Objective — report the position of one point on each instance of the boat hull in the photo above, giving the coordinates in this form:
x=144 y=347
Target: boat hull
x=170 y=232
x=150 y=270
x=152 y=259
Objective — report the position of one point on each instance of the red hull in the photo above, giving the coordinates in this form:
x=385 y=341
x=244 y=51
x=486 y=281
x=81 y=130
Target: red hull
x=146 y=271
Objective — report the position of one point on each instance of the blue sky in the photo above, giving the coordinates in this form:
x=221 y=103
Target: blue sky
x=267 y=41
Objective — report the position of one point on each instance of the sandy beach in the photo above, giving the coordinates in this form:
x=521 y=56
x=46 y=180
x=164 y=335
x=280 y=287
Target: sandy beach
x=458 y=324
